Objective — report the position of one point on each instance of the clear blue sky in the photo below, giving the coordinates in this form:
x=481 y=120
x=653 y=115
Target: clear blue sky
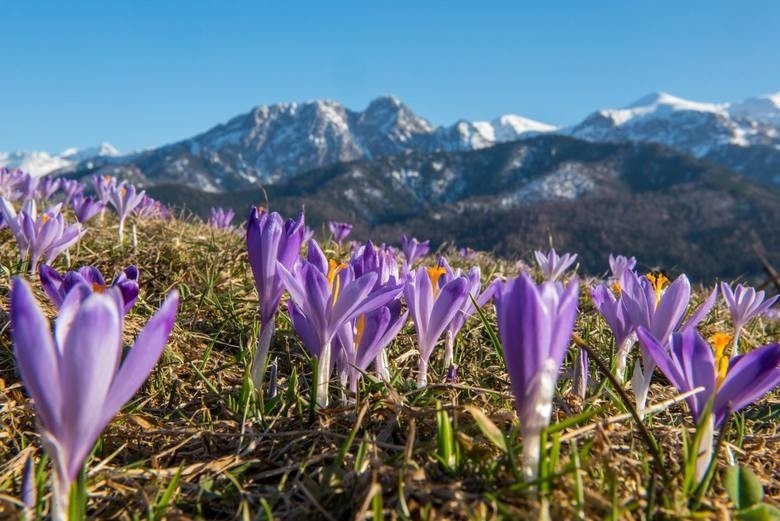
x=140 y=74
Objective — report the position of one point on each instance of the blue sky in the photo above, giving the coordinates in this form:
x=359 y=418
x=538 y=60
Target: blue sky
x=140 y=74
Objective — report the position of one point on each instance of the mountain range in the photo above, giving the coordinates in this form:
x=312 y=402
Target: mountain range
x=272 y=144
x=682 y=184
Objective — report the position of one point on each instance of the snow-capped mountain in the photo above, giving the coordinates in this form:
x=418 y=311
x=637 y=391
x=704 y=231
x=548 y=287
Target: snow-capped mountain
x=272 y=143
x=743 y=136
x=41 y=163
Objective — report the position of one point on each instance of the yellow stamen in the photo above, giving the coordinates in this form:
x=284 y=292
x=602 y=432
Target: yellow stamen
x=616 y=288
x=106 y=178
x=435 y=274
x=359 y=328
x=122 y=191
x=45 y=218
x=334 y=268
x=720 y=341
x=98 y=288
x=659 y=280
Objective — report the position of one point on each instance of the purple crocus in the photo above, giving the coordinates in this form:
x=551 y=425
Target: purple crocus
x=27 y=186
x=467 y=309
x=77 y=377
x=432 y=306
x=322 y=302
x=361 y=341
x=414 y=249
x=47 y=187
x=150 y=208
x=222 y=219
x=9 y=183
x=660 y=310
x=45 y=235
x=124 y=198
x=535 y=324
x=104 y=185
x=613 y=309
x=618 y=264
x=85 y=208
x=552 y=264
x=744 y=303
x=731 y=383
x=382 y=261
x=71 y=188
x=270 y=239
x=339 y=230
x=57 y=285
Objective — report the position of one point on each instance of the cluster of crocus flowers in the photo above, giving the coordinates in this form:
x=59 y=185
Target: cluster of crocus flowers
x=655 y=304
x=58 y=285
x=553 y=266
x=221 y=219
x=339 y=230
x=744 y=303
x=433 y=304
x=78 y=377
x=325 y=296
x=39 y=235
x=270 y=241
x=730 y=383
x=535 y=324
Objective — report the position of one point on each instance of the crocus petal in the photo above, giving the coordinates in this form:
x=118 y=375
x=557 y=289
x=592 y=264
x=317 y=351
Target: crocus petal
x=51 y=281
x=702 y=311
x=36 y=355
x=749 y=377
x=88 y=364
x=142 y=357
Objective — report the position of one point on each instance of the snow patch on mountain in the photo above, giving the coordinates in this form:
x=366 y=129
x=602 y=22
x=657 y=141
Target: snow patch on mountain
x=40 y=163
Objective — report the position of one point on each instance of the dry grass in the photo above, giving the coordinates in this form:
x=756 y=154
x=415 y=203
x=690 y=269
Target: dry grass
x=239 y=458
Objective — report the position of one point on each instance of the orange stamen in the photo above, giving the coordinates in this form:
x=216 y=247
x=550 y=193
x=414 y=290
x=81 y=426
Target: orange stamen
x=435 y=274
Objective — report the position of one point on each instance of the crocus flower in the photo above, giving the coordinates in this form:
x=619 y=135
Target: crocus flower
x=731 y=383
x=150 y=208
x=104 y=185
x=57 y=285
x=77 y=377
x=552 y=264
x=414 y=249
x=620 y=264
x=535 y=325
x=382 y=261
x=85 y=208
x=270 y=239
x=432 y=309
x=222 y=219
x=659 y=309
x=28 y=186
x=47 y=187
x=613 y=309
x=71 y=188
x=744 y=303
x=361 y=340
x=9 y=184
x=474 y=278
x=339 y=230
x=321 y=303
x=124 y=198
x=45 y=235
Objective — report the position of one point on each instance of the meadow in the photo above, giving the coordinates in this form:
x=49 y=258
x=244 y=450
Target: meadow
x=202 y=440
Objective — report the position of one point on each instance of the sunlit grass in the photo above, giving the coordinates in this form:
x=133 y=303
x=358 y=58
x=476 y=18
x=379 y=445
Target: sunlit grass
x=198 y=442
